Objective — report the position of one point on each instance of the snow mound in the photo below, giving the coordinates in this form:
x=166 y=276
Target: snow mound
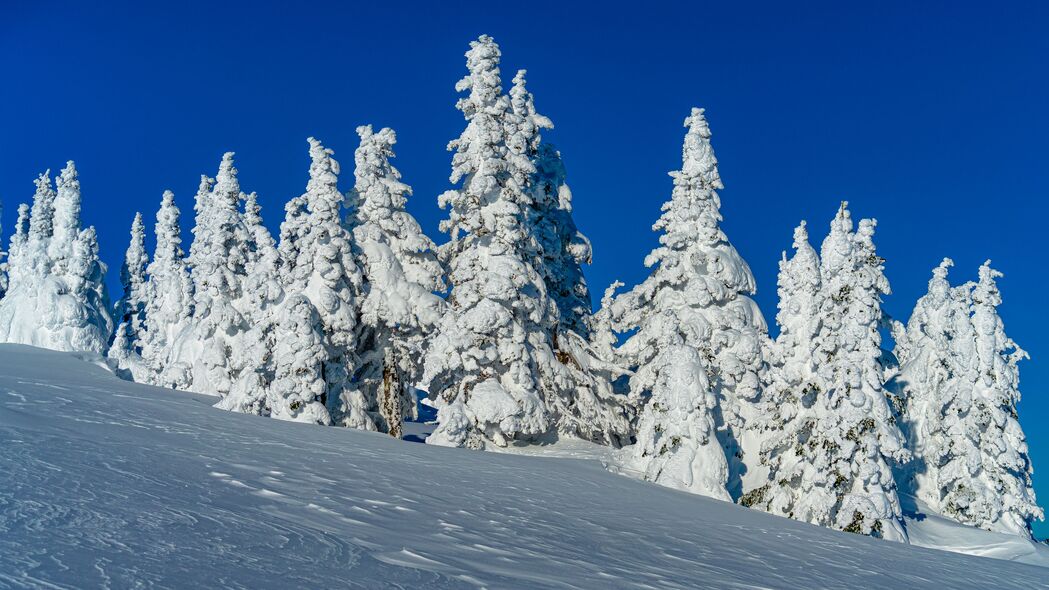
x=116 y=484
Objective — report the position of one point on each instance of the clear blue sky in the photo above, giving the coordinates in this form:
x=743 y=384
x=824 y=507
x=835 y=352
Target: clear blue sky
x=930 y=116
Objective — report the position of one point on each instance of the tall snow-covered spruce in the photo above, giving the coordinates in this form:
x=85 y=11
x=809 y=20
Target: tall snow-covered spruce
x=792 y=395
x=401 y=275
x=693 y=310
x=959 y=379
x=482 y=370
x=318 y=262
x=127 y=344
x=494 y=370
x=56 y=295
x=218 y=259
x=584 y=404
x=169 y=297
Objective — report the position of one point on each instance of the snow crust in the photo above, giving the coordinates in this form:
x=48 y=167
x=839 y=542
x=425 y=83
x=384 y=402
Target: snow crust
x=111 y=483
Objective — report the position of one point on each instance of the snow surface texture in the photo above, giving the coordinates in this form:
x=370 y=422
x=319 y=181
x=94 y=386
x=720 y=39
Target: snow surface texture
x=114 y=484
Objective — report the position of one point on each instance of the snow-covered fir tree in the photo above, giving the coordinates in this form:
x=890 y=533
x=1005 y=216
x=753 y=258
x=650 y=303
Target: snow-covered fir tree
x=300 y=353
x=960 y=380
x=252 y=359
x=857 y=440
x=792 y=395
x=564 y=248
x=66 y=220
x=491 y=369
x=14 y=266
x=218 y=259
x=696 y=297
x=130 y=311
x=317 y=257
x=57 y=297
x=169 y=298
x=401 y=275
x=583 y=404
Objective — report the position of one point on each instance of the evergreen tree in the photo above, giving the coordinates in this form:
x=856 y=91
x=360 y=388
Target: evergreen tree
x=66 y=220
x=300 y=354
x=491 y=368
x=564 y=248
x=401 y=274
x=15 y=265
x=56 y=302
x=41 y=228
x=979 y=451
x=696 y=297
x=791 y=399
x=582 y=402
x=857 y=438
x=932 y=351
x=218 y=259
x=317 y=259
x=169 y=300
x=252 y=359
x=131 y=309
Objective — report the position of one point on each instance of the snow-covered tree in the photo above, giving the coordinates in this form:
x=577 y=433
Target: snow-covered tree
x=253 y=358
x=300 y=354
x=66 y=221
x=127 y=344
x=858 y=439
x=132 y=306
x=401 y=275
x=218 y=259
x=564 y=248
x=696 y=297
x=56 y=302
x=491 y=367
x=791 y=398
x=932 y=351
x=169 y=298
x=961 y=384
x=14 y=267
x=41 y=227
x=317 y=257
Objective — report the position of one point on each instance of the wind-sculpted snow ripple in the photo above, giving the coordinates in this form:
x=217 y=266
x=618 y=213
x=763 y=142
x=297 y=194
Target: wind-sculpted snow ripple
x=128 y=486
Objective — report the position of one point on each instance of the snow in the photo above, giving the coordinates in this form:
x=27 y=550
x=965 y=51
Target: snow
x=114 y=484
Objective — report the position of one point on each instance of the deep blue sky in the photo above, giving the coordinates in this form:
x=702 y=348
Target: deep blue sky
x=929 y=116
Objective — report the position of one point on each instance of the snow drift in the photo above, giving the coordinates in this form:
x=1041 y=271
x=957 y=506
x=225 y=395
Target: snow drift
x=110 y=483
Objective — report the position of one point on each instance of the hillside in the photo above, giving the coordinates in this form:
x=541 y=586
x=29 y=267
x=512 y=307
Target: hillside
x=112 y=484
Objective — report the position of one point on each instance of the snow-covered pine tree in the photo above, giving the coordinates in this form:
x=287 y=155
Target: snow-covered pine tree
x=983 y=469
x=857 y=440
x=491 y=369
x=218 y=259
x=169 y=300
x=564 y=248
x=300 y=354
x=41 y=228
x=791 y=398
x=401 y=275
x=930 y=375
x=126 y=348
x=58 y=303
x=15 y=265
x=66 y=220
x=253 y=360
x=583 y=404
x=695 y=297
x=87 y=325
x=317 y=258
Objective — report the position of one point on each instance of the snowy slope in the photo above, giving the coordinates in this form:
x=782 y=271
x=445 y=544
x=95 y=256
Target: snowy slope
x=105 y=483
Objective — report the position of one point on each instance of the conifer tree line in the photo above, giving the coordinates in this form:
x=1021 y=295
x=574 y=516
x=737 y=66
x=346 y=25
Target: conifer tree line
x=352 y=308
